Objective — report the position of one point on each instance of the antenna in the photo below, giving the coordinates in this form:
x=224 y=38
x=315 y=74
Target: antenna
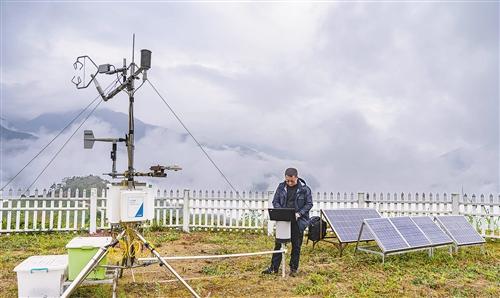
x=133 y=47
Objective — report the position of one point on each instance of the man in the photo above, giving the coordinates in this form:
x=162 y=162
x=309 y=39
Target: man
x=292 y=193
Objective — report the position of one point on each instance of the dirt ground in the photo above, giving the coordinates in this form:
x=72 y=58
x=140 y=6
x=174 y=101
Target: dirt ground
x=322 y=272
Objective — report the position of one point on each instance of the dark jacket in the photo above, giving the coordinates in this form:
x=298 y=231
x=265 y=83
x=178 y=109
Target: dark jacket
x=303 y=201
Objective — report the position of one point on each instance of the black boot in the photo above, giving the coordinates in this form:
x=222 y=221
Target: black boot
x=270 y=271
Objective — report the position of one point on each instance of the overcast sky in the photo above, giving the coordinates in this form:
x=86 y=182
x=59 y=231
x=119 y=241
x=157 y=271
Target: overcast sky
x=377 y=97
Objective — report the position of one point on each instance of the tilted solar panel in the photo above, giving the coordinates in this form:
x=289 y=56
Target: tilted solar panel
x=346 y=223
x=435 y=234
x=460 y=230
x=410 y=232
x=386 y=235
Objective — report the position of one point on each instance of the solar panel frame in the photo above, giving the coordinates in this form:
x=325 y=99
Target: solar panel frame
x=372 y=223
x=432 y=230
x=339 y=232
x=449 y=224
x=410 y=231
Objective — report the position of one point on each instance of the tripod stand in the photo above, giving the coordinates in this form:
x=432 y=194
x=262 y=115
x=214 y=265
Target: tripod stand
x=94 y=262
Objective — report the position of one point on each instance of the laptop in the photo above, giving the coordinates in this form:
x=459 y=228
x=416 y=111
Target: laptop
x=282 y=214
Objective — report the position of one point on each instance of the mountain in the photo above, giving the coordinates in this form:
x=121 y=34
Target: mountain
x=9 y=134
x=53 y=122
x=79 y=182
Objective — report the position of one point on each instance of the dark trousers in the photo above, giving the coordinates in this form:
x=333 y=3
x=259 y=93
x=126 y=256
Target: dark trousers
x=296 y=237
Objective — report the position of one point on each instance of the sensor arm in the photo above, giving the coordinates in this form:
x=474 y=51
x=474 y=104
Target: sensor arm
x=98 y=87
x=118 y=89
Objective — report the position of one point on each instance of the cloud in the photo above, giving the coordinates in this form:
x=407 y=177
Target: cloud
x=360 y=96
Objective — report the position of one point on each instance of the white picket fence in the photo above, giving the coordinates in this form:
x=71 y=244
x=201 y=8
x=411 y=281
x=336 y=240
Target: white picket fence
x=86 y=210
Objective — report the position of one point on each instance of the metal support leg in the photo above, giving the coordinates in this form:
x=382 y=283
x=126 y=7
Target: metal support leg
x=164 y=263
x=115 y=281
x=283 y=261
x=359 y=237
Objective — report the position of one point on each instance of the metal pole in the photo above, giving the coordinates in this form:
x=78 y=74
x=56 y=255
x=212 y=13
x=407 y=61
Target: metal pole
x=215 y=256
x=359 y=237
x=115 y=281
x=162 y=261
x=130 y=139
x=283 y=261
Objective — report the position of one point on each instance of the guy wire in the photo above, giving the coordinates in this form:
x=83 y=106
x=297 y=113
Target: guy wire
x=60 y=132
x=198 y=143
x=64 y=145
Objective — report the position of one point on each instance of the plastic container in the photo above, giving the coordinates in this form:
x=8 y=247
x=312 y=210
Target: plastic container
x=42 y=276
x=80 y=252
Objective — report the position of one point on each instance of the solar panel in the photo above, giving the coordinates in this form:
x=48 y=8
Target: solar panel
x=386 y=235
x=410 y=232
x=432 y=231
x=346 y=223
x=460 y=230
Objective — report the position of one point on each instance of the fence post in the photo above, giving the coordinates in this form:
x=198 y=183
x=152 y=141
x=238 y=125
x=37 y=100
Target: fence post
x=361 y=200
x=455 y=210
x=270 y=225
x=93 y=211
x=185 y=211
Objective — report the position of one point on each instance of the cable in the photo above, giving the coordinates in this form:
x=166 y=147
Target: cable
x=137 y=89
x=198 y=143
x=60 y=132
x=114 y=85
x=60 y=149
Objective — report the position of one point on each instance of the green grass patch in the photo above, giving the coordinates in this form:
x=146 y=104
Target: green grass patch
x=322 y=273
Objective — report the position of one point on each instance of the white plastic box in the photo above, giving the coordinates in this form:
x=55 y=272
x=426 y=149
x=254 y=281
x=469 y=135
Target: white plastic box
x=42 y=276
x=126 y=205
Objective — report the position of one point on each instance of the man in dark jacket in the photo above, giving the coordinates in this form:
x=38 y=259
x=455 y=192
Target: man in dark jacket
x=292 y=193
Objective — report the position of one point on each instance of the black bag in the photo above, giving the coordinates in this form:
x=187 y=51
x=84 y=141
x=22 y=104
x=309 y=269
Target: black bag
x=314 y=232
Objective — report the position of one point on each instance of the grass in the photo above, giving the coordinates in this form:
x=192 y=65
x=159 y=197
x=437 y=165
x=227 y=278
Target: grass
x=322 y=273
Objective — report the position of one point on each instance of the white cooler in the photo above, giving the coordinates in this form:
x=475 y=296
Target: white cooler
x=42 y=276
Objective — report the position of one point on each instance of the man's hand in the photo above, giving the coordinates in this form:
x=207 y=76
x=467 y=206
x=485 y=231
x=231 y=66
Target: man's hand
x=297 y=215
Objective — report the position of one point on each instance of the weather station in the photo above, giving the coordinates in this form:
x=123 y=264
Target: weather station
x=129 y=202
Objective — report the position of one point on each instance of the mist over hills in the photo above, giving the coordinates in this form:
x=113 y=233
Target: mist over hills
x=9 y=134
x=54 y=122
x=154 y=144
x=250 y=166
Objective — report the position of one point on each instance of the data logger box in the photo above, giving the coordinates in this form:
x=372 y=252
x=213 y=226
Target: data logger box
x=130 y=205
